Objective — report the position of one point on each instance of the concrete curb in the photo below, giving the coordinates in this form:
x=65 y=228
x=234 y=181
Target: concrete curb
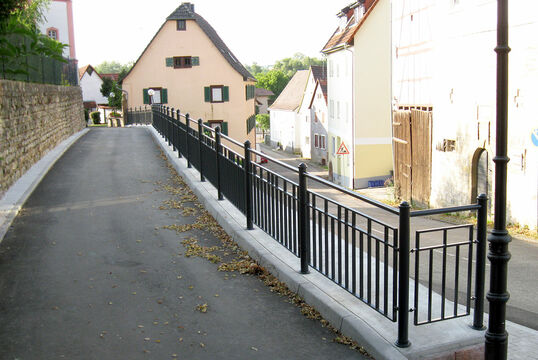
x=13 y=200
x=282 y=263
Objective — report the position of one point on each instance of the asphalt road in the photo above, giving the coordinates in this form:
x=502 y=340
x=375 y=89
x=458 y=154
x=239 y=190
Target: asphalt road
x=522 y=307
x=87 y=271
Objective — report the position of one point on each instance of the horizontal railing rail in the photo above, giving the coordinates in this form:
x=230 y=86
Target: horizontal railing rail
x=366 y=256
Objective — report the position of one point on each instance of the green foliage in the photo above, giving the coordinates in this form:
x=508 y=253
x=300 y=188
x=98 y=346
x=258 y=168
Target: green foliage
x=7 y=7
x=20 y=38
x=96 y=117
x=86 y=115
x=274 y=80
x=256 y=69
x=109 y=87
x=115 y=114
x=289 y=66
x=113 y=67
x=262 y=121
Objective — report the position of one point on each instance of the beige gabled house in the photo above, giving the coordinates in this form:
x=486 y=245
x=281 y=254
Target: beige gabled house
x=190 y=68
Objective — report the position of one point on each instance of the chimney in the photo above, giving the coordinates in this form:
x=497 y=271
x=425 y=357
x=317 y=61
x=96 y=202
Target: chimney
x=189 y=6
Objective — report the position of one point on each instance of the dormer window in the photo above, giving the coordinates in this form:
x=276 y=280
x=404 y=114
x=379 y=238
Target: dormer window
x=181 y=25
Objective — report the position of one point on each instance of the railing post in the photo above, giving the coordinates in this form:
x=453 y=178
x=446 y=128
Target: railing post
x=304 y=250
x=481 y=234
x=200 y=138
x=218 y=149
x=177 y=136
x=173 y=133
x=187 y=150
x=248 y=190
x=403 y=276
x=168 y=126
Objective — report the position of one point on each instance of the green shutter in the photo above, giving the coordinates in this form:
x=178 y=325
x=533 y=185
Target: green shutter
x=207 y=94
x=246 y=92
x=225 y=93
x=169 y=62
x=195 y=61
x=164 y=96
x=145 y=96
x=224 y=129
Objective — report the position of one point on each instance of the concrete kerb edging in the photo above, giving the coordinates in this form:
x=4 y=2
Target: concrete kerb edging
x=276 y=259
x=17 y=194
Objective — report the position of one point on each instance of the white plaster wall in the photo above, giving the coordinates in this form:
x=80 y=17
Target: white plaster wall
x=283 y=125
x=340 y=91
x=56 y=17
x=463 y=94
x=91 y=88
x=305 y=118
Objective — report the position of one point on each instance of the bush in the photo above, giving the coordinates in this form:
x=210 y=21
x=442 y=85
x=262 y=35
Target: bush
x=86 y=115
x=96 y=117
x=115 y=114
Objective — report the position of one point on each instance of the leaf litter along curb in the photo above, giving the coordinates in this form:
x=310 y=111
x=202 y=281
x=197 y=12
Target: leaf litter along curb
x=240 y=261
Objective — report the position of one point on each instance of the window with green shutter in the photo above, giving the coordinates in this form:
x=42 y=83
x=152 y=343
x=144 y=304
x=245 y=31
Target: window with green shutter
x=195 y=61
x=145 y=95
x=169 y=62
x=164 y=96
x=224 y=129
x=251 y=123
x=216 y=93
x=249 y=91
x=225 y=93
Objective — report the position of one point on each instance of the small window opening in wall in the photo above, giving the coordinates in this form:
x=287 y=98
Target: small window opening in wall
x=182 y=62
x=216 y=93
x=447 y=145
x=181 y=25
x=52 y=33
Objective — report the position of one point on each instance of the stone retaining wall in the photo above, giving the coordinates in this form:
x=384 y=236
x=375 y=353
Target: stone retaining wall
x=34 y=118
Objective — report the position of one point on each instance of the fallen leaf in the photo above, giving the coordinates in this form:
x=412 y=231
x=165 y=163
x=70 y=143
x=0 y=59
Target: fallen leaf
x=202 y=308
x=253 y=348
x=147 y=339
x=202 y=345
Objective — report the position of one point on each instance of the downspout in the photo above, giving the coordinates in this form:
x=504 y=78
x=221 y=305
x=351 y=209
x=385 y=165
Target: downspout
x=352 y=116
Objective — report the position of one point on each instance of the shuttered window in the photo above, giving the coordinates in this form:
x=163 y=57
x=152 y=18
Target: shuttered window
x=216 y=93
x=160 y=96
x=249 y=91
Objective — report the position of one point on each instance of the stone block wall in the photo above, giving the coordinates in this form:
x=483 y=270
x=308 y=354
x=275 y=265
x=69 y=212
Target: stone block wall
x=34 y=118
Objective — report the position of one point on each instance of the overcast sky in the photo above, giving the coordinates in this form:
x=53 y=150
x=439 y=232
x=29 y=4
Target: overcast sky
x=255 y=31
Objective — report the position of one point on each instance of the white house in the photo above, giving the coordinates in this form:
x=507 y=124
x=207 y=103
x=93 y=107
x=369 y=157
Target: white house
x=319 y=121
x=285 y=124
x=58 y=25
x=452 y=70
x=90 y=82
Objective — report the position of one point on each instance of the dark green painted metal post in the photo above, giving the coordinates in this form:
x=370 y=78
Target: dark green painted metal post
x=218 y=150
x=481 y=234
x=178 y=133
x=403 y=276
x=248 y=186
x=304 y=250
x=187 y=149
x=200 y=139
x=496 y=335
x=172 y=132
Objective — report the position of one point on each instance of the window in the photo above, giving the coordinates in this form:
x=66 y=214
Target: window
x=338 y=109
x=334 y=145
x=181 y=25
x=182 y=62
x=249 y=91
x=216 y=93
x=160 y=96
x=52 y=33
x=331 y=109
x=322 y=142
x=316 y=142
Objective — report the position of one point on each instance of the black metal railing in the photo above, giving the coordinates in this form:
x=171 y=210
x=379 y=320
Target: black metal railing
x=368 y=257
x=138 y=116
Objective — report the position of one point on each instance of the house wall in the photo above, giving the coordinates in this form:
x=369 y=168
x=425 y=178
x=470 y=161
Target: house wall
x=340 y=105
x=305 y=117
x=60 y=16
x=186 y=86
x=372 y=97
x=319 y=115
x=264 y=100
x=91 y=88
x=463 y=94
x=283 y=125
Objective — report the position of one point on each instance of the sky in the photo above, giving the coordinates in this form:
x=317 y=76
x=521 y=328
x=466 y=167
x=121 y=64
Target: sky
x=255 y=31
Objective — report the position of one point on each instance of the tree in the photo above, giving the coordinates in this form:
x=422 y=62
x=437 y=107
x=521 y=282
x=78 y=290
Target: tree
x=263 y=122
x=255 y=69
x=113 y=67
x=274 y=80
x=109 y=87
x=289 y=66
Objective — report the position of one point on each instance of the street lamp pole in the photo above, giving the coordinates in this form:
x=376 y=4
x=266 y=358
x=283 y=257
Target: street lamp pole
x=496 y=346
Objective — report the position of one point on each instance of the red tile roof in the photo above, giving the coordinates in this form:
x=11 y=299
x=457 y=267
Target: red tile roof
x=111 y=76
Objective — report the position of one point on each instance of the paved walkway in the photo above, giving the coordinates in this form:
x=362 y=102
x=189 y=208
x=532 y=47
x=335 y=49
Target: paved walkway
x=87 y=270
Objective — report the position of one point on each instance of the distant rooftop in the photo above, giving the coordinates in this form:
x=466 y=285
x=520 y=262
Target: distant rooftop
x=290 y=98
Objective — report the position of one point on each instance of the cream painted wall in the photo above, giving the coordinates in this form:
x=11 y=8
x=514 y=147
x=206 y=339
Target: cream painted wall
x=372 y=96
x=186 y=86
